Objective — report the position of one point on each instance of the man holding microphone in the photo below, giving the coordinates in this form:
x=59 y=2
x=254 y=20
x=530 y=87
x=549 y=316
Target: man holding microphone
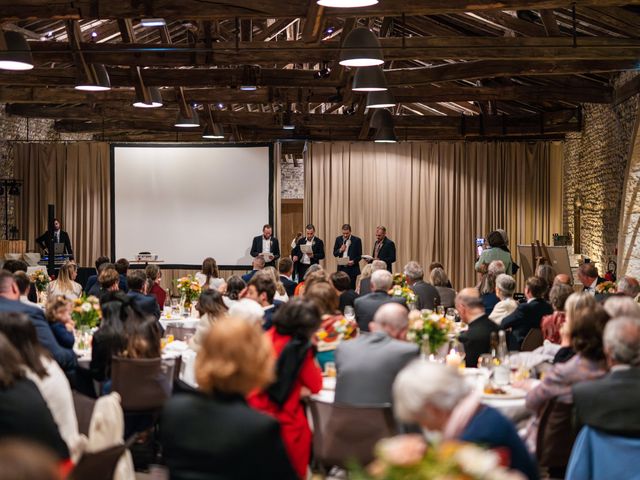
x=348 y=250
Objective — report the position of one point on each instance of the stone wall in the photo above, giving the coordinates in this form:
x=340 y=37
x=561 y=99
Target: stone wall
x=594 y=169
x=292 y=179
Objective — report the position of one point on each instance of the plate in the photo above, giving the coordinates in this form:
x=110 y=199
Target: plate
x=511 y=394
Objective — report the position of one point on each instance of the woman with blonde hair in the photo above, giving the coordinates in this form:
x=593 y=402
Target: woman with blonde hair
x=367 y=270
x=281 y=293
x=65 y=284
x=213 y=433
x=209 y=277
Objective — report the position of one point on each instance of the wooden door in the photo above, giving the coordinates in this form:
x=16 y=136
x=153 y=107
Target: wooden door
x=292 y=223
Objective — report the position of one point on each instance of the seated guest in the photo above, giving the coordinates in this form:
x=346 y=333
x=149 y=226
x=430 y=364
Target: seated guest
x=247 y=310
x=576 y=305
x=285 y=267
x=433 y=266
x=628 y=286
x=24 y=285
x=299 y=291
x=143 y=338
x=551 y=324
x=210 y=308
x=209 y=277
x=427 y=295
x=497 y=251
x=588 y=276
x=42 y=370
x=23 y=412
x=122 y=267
x=440 y=400
x=65 y=284
x=487 y=285
x=364 y=285
x=440 y=280
x=110 y=339
x=213 y=433
x=262 y=289
x=281 y=293
x=367 y=305
x=611 y=403
x=296 y=373
x=622 y=306
x=10 y=302
x=368 y=365
x=23 y=459
x=58 y=314
x=15 y=266
x=528 y=315
x=108 y=281
x=235 y=286
x=548 y=274
x=342 y=285
x=95 y=289
x=563 y=278
x=505 y=287
x=154 y=277
x=477 y=339
x=93 y=279
x=257 y=264
x=146 y=304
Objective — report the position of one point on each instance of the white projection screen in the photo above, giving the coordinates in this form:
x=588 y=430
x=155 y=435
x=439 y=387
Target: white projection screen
x=185 y=203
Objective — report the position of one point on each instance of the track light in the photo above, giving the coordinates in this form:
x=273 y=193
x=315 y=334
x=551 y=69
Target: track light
x=383 y=122
x=155 y=99
x=361 y=48
x=383 y=99
x=17 y=55
x=369 y=79
x=188 y=121
x=347 y=3
x=216 y=132
x=96 y=79
x=324 y=72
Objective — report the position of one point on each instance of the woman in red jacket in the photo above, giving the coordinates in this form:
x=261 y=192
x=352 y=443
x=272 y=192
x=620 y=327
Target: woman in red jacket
x=297 y=375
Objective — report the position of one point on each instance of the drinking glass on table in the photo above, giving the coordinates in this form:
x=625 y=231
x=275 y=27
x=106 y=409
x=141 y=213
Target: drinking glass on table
x=349 y=313
x=330 y=369
x=440 y=310
x=485 y=365
x=175 y=304
x=450 y=314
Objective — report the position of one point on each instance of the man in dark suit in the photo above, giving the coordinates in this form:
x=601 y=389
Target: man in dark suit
x=588 y=276
x=59 y=236
x=93 y=279
x=302 y=260
x=10 y=302
x=384 y=249
x=368 y=365
x=365 y=283
x=611 y=403
x=146 y=304
x=477 y=339
x=367 y=306
x=428 y=296
x=285 y=267
x=528 y=315
x=348 y=246
x=258 y=264
x=266 y=244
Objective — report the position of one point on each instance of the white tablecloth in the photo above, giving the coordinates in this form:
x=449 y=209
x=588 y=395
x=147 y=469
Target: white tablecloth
x=186 y=322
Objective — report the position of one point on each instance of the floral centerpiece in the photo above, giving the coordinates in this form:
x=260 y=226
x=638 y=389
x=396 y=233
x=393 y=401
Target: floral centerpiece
x=606 y=288
x=86 y=312
x=329 y=336
x=400 y=288
x=189 y=289
x=40 y=279
x=427 y=328
x=407 y=457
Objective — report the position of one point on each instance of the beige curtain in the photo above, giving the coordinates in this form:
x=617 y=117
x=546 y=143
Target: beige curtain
x=434 y=198
x=75 y=177
x=277 y=190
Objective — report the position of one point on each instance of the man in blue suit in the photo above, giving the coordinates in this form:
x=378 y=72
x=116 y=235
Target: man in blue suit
x=10 y=302
x=145 y=304
x=93 y=279
x=349 y=246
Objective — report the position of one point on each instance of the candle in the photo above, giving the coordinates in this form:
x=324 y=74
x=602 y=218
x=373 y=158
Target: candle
x=453 y=358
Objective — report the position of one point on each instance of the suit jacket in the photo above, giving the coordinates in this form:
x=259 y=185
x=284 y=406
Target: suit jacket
x=147 y=304
x=317 y=247
x=610 y=403
x=220 y=437
x=289 y=285
x=527 y=316
x=347 y=299
x=91 y=281
x=428 y=296
x=367 y=306
x=447 y=296
x=248 y=276
x=387 y=252
x=365 y=286
x=477 y=340
x=354 y=252
x=43 y=241
x=256 y=248
x=367 y=367
x=65 y=357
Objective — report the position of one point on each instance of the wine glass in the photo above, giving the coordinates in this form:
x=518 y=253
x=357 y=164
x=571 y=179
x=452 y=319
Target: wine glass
x=451 y=314
x=485 y=365
x=440 y=310
x=349 y=313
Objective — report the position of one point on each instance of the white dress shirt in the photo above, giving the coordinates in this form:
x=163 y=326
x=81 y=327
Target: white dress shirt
x=266 y=245
x=592 y=288
x=345 y=254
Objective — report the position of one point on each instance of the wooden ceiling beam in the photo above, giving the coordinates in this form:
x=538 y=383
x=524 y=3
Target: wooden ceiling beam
x=550 y=23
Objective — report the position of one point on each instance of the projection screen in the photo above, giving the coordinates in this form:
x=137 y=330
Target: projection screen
x=186 y=203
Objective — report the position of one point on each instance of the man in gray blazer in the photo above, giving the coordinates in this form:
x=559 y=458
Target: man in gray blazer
x=368 y=365
x=366 y=306
x=428 y=296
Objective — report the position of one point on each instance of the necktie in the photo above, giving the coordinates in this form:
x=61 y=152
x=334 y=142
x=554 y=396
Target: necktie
x=377 y=249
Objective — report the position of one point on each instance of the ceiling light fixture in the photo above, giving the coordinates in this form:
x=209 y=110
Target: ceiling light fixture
x=347 y=3
x=249 y=81
x=287 y=122
x=216 y=132
x=153 y=22
x=382 y=99
x=361 y=48
x=369 y=79
x=383 y=122
x=15 y=53
x=96 y=79
x=155 y=98
x=188 y=121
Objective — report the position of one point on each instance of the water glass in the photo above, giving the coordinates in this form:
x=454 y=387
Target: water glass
x=349 y=313
x=440 y=310
x=330 y=369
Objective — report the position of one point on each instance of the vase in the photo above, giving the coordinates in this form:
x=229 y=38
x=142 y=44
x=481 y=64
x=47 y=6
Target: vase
x=41 y=296
x=185 y=304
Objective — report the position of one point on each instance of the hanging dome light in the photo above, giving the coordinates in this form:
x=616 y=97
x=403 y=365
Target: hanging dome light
x=383 y=122
x=96 y=79
x=369 y=79
x=215 y=132
x=184 y=121
x=361 y=48
x=383 y=99
x=155 y=98
x=17 y=56
x=347 y=3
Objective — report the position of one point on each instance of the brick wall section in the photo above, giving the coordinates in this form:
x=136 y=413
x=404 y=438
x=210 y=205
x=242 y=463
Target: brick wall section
x=595 y=162
x=292 y=180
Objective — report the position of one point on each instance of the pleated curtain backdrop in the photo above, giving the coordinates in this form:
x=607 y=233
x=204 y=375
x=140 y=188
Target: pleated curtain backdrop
x=435 y=198
x=75 y=177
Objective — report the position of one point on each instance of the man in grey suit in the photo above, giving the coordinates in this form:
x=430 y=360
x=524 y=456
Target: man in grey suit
x=611 y=403
x=368 y=365
x=366 y=306
x=428 y=296
x=365 y=283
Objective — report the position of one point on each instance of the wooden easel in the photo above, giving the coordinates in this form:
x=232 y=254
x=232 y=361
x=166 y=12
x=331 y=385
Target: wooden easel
x=539 y=254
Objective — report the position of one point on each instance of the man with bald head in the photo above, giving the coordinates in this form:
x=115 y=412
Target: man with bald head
x=562 y=279
x=368 y=365
x=366 y=306
x=477 y=339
